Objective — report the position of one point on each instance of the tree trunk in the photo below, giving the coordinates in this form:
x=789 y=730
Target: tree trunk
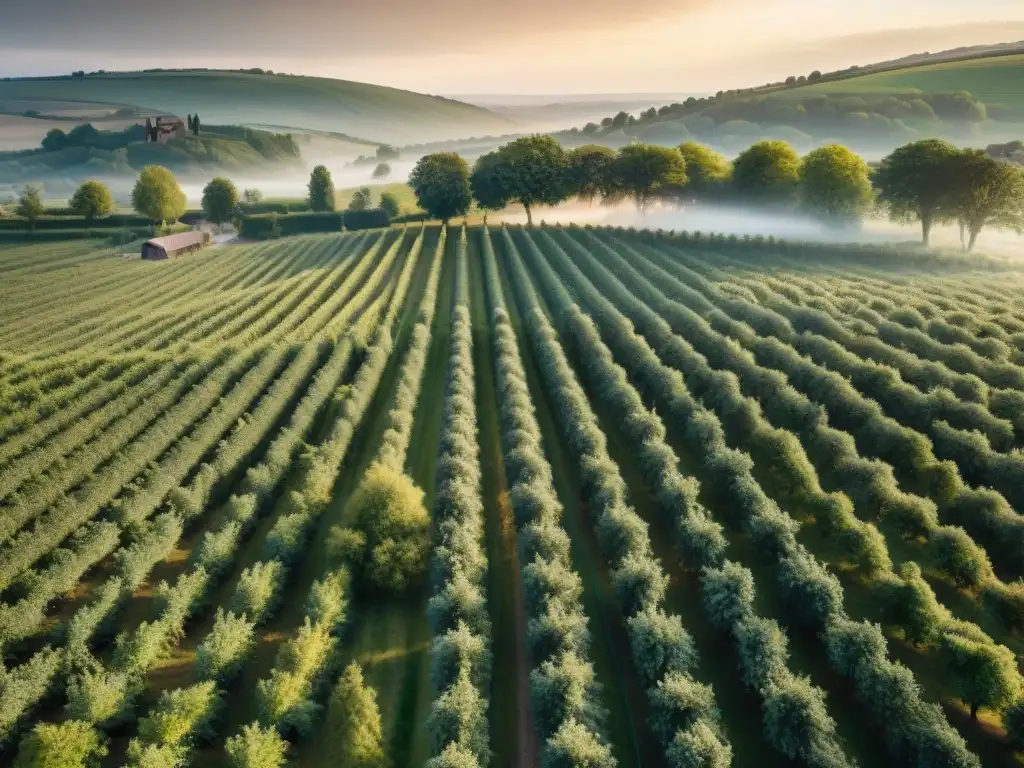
x=529 y=216
x=974 y=711
x=963 y=236
x=974 y=231
x=926 y=229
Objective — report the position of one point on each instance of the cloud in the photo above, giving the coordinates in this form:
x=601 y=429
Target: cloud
x=341 y=28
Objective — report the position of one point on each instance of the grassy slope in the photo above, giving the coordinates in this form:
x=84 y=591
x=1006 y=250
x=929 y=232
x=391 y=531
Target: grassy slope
x=357 y=109
x=995 y=80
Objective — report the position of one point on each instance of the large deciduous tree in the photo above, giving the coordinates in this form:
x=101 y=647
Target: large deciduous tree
x=835 y=184
x=981 y=673
x=362 y=200
x=441 y=184
x=985 y=192
x=530 y=171
x=589 y=171
x=914 y=183
x=390 y=205
x=707 y=171
x=645 y=172
x=382 y=171
x=92 y=200
x=767 y=173
x=321 y=190
x=220 y=199
x=157 y=195
x=30 y=204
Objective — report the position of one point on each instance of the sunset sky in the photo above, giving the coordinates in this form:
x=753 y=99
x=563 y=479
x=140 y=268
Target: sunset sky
x=482 y=46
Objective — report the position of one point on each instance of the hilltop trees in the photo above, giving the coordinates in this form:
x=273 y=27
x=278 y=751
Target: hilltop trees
x=914 y=183
x=644 y=172
x=92 y=200
x=834 y=184
x=441 y=184
x=157 y=195
x=382 y=171
x=530 y=171
x=321 y=189
x=767 y=173
x=220 y=199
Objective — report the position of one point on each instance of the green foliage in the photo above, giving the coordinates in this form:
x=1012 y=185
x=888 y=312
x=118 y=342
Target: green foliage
x=645 y=172
x=157 y=195
x=707 y=171
x=181 y=716
x=1013 y=722
x=441 y=184
x=530 y=171
x=981 y=673
x=226 y=647
x=320 y=190
x=388 y=510
x=986 y=192
x=256 y=747
x=353 y=722
x=576 y=746
x=362 y=200
x=390 y=205
x=913 y=183
x=30 y=204
x=92 y=200
x=70 y=744
x=767 y=173
x=459 y=716
x=589 y=171
x=220 y=200
x=382 y=171
x=954 y=553
x=834 y=184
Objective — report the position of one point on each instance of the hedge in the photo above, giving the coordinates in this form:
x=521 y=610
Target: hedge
x=264 y=226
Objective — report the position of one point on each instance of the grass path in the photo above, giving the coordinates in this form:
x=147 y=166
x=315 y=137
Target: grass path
x=511 y=726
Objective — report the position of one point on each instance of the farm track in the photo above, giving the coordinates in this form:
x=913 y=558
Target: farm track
x=173 y=435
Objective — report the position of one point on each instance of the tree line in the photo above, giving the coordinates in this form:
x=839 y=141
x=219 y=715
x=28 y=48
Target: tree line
x=929 y=181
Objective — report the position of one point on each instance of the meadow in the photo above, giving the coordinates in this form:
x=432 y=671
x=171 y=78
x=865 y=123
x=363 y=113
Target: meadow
x=692 y=501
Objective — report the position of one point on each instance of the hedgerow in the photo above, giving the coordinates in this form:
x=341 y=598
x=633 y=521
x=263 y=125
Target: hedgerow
x=562 y=687
x=637 y=576
x=460 y=650
x=727 y=472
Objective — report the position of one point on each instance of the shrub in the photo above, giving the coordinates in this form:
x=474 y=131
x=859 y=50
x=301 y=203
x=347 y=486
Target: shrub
x=71 y=744
x=388 y=510
x=181 y=716
x=677 y=703
x=459 y=716
x=728 y=593
x=573 y=745
x=101 y=697
x=459 y=649
x=981 y=673
x=1013 y=722
x=954 y=553
x=226 y=647
x=258 y=590
x=354 y=722
x=660 y=646
x=257 y=747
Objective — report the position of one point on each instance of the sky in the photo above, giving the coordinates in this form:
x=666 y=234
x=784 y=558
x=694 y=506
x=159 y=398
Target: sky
x=494 y=47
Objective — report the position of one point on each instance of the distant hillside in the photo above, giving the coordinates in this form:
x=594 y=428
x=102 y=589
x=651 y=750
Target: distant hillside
x=243 y=98
x=971 y=101
x=85 y=152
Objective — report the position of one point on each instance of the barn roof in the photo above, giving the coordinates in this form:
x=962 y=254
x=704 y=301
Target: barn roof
x=180 y=240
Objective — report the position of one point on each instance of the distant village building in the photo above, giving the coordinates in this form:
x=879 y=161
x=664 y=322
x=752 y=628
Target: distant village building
x=164 y=129
x=172 y=246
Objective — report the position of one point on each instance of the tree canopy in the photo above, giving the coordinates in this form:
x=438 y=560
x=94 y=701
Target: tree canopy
x=70 y=744
x=30 y=204
x=382 y=171
x=354 y=722
x=157 y=195
x=835 y=184
x=530 y=171
x=321 y=190
x=441 y=184
x=362 y=200
x=914 y=183
x=644 y=172
x=706 y=170
x=390 y=205
x=767 y=173
x=589 y=171
x=985 y=192
x=92 y=200
x=220 y=199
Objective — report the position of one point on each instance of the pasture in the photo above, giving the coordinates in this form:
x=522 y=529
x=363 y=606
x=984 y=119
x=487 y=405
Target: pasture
x=997 y=80
x=691 y=501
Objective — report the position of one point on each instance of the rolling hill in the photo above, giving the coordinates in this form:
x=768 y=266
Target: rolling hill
x=244 y=98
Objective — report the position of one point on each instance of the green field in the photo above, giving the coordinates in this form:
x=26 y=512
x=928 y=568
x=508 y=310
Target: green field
x=997 y=80
x=372 y=112
x=690 y=499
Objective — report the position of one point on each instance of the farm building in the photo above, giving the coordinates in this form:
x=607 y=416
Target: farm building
x=172 y=246
x=165 y=129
